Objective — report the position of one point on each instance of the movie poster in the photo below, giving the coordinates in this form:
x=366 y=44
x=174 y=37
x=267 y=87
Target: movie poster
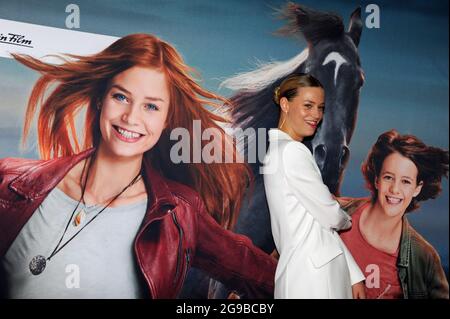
x=400 y=54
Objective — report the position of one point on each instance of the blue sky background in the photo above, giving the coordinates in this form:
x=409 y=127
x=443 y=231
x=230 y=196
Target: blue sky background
x=405 y=63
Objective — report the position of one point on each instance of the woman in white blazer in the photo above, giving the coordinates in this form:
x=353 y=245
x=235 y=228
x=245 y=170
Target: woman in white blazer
x=305 y=217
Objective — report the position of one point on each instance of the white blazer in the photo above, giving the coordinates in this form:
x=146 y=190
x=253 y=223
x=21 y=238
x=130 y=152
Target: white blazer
x=314 y=262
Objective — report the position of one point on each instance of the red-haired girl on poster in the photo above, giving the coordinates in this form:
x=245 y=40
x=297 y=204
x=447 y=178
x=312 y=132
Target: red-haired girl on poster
x=115 y=209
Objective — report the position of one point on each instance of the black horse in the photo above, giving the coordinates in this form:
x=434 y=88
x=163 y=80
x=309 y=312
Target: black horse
x=331 y=57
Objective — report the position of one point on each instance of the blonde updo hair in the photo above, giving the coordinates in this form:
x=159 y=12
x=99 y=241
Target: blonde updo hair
x=288 y=88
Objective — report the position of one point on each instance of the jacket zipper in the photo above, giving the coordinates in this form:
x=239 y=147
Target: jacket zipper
x=141 y=266
x=188 y=256
x=188 y=260
x=180 y=247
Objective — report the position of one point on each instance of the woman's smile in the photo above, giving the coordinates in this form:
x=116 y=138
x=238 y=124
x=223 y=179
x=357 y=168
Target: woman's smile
x=393 y=200
x=126 y=135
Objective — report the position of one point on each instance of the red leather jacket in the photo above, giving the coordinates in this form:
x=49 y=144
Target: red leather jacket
x=177 y=232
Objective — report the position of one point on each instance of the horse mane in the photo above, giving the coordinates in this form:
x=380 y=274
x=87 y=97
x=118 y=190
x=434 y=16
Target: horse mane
x=253 y=105
x=264 y=74
x=311 y=24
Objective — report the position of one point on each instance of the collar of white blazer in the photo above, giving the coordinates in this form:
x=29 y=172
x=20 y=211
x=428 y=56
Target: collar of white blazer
x=276 y=134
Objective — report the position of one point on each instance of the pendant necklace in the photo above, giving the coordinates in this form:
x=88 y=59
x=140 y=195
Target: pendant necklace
x=39 y=262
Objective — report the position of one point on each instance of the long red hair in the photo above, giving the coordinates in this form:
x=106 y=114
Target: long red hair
x=81 y=81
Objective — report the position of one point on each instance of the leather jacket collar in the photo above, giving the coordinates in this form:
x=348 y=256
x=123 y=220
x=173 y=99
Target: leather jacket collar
x=30 y=184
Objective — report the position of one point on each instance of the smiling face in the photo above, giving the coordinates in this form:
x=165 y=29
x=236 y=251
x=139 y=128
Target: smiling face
x=303 y=113
x=397 y=185
x=134 y=111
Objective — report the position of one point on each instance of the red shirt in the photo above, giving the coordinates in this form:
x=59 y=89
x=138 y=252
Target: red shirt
x=380 y=268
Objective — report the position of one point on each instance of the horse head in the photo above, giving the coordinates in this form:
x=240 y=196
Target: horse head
x=333 y=59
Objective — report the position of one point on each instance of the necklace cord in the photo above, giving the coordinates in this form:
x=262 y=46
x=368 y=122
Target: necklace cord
x=58 y=248
x=83 y=187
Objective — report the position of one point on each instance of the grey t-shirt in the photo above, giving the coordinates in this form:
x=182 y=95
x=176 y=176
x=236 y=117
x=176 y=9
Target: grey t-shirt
x=98 y=263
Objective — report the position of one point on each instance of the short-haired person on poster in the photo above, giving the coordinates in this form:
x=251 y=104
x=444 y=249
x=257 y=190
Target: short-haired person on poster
x=400 y=171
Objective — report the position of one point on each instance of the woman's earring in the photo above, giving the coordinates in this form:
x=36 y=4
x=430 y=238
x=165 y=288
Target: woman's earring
x=283 y=111
x=282 y=123
x=99 y=105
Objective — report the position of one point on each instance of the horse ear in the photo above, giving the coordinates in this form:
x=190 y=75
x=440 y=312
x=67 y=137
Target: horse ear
x=356 y=25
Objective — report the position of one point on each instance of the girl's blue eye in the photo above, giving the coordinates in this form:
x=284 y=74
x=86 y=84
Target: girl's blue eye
x=119 y=97
x=151 y=106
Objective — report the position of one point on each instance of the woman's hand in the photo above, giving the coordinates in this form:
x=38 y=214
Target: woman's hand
x=358 y=290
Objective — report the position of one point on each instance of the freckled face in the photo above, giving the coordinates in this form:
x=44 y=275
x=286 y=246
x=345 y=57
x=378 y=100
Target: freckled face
x=397 y=184
x=134 y=111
